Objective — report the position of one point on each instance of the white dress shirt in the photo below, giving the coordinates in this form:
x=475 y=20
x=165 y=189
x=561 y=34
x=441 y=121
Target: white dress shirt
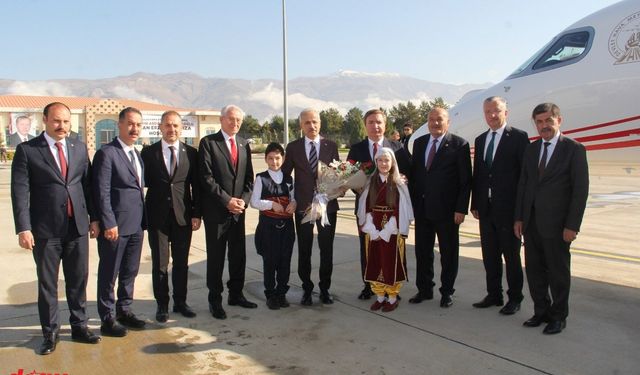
x=166 y=154
x=54 y=150
x=499 y=133
x=126 y=150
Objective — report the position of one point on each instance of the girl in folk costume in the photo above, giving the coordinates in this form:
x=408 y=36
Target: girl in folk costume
x=384 y=214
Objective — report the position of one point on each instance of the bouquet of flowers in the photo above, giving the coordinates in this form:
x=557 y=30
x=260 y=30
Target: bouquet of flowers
x=333 y=181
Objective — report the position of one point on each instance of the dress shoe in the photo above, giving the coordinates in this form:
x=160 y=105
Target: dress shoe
x=325 y=298
x=535 y=321
x=489 y=302
x=446 y=301
x=82 y=334
x=162 y=314
x=112 y=328
x=217 y=311
x=390 y=306
x=185 y=310
x=510 y=308
x=555 y=326
x=421 y=296
x=366 y=293
x=242 y=302
x=273 y=303
x=306 y=299
x=49 y=344
x=377 y=305
x=128 y=319
x=282 y=300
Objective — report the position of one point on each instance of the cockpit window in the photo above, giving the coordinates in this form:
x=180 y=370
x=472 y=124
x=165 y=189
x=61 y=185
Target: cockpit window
x=566 y=49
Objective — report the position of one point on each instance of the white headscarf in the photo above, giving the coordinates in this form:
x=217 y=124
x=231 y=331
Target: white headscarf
x=405 y=211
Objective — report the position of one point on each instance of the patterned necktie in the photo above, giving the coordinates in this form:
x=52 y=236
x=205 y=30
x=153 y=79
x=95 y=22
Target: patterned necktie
x=313 y=159
x=135 y=166
x=489 y=156
x=432 y=153
x=63 y=170
x=173 y=161
x=543 y=160
x=375 y=150
x=234 y=152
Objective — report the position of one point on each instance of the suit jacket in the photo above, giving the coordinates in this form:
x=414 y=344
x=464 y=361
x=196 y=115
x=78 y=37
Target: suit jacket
x=14 y=139
x=39 y=193
x=219 y=182
x=304 y=184
x=360 y=152
x=180 y=191
x=559 y=197
x=119 y=199
x=502 y=177
x=445 y=188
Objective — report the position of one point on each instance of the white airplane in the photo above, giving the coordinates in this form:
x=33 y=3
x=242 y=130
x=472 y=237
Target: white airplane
x=591 y=70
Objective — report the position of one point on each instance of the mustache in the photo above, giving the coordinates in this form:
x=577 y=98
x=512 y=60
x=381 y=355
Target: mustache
x=133 y=133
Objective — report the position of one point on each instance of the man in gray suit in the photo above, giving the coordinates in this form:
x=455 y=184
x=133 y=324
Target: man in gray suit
x=551 y=199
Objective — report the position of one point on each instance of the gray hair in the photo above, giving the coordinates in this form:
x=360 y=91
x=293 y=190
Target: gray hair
x=230 y=107
x=498 y=99
x=305 y=111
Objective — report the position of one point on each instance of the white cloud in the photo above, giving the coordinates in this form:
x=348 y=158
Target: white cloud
x=129 y=93
x=38 y=88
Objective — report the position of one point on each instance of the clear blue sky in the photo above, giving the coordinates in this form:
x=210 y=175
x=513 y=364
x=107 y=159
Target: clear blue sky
x=451 y=41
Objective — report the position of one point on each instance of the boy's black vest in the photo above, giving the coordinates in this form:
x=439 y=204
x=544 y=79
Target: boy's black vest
x=275 y=192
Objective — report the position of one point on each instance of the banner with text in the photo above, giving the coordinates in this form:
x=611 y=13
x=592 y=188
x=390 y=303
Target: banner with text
x=151 y=128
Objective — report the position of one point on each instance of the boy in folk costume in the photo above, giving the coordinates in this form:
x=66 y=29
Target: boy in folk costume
x=275 y=234
x=384 y=214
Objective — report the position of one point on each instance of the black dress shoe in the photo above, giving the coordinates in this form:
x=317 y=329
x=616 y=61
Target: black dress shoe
x=217 y=311
x=325 y=298
x=421 y=296
x=510 y=308
x=242 y=302
x=306 y=299
x=82 y=334
x=446 y=301
x=488 y=302
x=49 y=344
x=185 y=310
x=282 y=300
x=555 y=326
x=162 y=314
x=273 y=303
x=366 y=293
x=112 y=328
x=535 y=321
x=128 y=319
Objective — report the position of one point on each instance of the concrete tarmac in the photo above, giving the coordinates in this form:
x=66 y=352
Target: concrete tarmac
x=602 y=334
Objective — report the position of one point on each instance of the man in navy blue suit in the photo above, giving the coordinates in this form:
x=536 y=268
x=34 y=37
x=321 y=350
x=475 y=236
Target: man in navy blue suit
x=51 y=196
x=118 y=186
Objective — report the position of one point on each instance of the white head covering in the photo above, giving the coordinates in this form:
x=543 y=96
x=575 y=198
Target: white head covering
x=405 y=211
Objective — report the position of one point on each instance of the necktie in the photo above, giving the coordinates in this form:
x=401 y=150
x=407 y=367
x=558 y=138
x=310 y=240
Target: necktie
x=135 y=167
x=375 y=150
x=489 y=156
x=63 y=170
x=313 y=159
x=432 y=153
x=543 y=160
x=234 y=152
x=173 y=161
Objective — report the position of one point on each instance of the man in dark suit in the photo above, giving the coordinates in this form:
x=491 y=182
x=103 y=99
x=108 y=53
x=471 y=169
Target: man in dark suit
x=226 y=184
x=551 y=199
x=51 y=196
x=440 y=188
x=407 y=131
x=364 y=151
x=302 y=157
x=118 y=185
x=22 y=133
x=173 y=208
x=496 y=169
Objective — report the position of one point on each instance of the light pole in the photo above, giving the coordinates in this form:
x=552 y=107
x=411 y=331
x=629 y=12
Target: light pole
x=284 y=69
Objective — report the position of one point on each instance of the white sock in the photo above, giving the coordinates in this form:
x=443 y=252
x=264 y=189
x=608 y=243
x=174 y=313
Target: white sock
x=380 y=299
x=392 y=300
